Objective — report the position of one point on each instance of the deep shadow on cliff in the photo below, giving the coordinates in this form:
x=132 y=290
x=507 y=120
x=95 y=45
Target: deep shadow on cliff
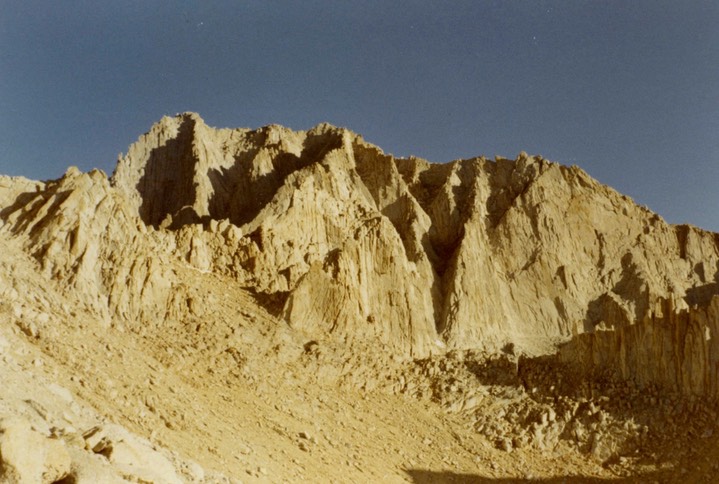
x=167 y=184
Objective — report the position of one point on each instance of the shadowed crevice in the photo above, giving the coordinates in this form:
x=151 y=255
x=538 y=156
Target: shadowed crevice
x=22 y=200
x=240 y=194
x=168 y=182
x=702 y=295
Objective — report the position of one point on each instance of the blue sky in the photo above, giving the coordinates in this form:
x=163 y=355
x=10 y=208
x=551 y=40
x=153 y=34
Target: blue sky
x=629 y=91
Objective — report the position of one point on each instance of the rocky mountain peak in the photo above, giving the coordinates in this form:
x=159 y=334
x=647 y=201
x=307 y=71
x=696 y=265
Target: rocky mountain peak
x=463 y=242
x=222 y=262
x=346 y=240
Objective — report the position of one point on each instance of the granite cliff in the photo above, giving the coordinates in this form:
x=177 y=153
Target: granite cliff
x=325 y=239
x=341 y=239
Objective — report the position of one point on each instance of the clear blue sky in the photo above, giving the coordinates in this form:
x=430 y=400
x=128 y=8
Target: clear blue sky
x=628 y=90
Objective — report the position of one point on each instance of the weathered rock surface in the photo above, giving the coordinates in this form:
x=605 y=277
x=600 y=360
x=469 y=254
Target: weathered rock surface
x=680 y=344
x=474 y=252
x=222 y=249
x=130 y=454
x=28 y=457
x=342 y=239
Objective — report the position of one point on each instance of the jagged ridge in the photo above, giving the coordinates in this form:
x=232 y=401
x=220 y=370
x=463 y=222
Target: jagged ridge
x=341 y=239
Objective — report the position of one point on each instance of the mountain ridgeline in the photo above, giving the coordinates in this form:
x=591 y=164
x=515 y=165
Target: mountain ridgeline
x=340 y=240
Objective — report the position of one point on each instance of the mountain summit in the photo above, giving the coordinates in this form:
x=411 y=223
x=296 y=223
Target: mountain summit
x=419 y=255
x=328 y=239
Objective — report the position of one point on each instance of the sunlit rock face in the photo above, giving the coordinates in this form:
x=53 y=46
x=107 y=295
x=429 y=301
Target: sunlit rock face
x=339 y=239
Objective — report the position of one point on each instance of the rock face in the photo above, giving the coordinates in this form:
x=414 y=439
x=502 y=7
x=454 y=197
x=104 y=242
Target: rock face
x=681 y=344
x=341 y=240
x=130 y=454
x=28 y=457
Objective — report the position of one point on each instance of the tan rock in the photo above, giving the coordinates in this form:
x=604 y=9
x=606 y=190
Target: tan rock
x=133 y=455
x=341 y=240
x=638 y=352
x=27 y=457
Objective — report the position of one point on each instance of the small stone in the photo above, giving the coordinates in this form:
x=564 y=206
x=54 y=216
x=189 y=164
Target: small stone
x=60 y=391
x=505 y=445
x=551 y=415
x=195 y=471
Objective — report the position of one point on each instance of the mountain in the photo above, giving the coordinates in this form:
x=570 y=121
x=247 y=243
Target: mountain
x=215 y=248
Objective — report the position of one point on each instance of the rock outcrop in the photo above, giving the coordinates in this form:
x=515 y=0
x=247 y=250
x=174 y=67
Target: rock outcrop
x=338 y=239
x=229 y=293
x=28 y=457
x=671 y=349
